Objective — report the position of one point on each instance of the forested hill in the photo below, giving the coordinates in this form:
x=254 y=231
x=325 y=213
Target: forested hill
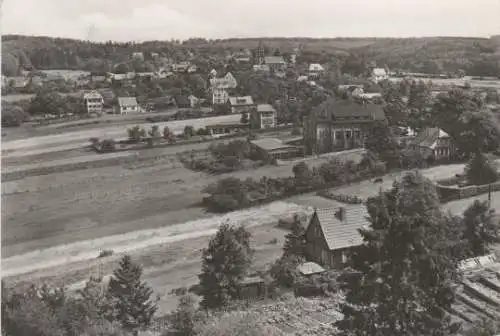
x=476 y=56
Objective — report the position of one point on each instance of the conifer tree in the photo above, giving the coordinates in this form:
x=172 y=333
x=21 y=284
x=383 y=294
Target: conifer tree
x=480 y=228
x=401 y=276
x=224 y=265
x=295 y=242
x=131 y=297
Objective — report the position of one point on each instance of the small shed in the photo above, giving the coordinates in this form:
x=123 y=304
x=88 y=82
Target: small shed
x=276 y=149
x=252 y=288
x=310 y=268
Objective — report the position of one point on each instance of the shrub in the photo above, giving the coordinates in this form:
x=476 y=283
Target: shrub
x=108 y=145
x=105 y=253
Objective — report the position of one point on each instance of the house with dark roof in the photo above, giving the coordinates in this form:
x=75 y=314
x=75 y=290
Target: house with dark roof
x=332 y=234
x=433 y=143
x=339 y=125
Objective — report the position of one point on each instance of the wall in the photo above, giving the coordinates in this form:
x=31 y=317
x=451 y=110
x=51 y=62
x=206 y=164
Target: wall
x=449 y=193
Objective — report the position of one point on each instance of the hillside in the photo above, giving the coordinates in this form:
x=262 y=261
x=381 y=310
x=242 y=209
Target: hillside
x=476 y=56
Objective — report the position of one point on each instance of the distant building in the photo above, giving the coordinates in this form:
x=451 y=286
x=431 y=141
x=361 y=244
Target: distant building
x=275 y=63
x=138 y=56
x=259 y=54
x=127 y=105
x=182 y=101
x=220 y=87
x=379 y=74
x=433 y=143
x=273 y=148
x=193 y=101
x=261 y=68
x=315 y=70
x=333 y=234
x=93 y=101
x=241 y=104
x=339 y=125
x=17 y=82
x=264 y=116
x=181 y=67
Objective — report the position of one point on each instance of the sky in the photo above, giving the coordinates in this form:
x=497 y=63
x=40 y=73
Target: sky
x=139 y=20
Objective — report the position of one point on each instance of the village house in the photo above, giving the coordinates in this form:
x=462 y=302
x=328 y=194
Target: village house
x=264 y=116
x=241 y=104
x=378 y=75
x=332 y=234
x=220 y=87
x=433 y=143
x=339 y=125
x=127 y=105
x=275 y=63
x=316 y=70
x=93 y=101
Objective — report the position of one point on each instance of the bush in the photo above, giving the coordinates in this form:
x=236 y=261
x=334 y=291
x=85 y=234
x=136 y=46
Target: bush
x=324 y=284
x=105 y=253
x=108 y=146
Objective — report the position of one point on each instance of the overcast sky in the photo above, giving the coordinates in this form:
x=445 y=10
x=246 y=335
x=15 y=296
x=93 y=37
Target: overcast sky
x=125 y=20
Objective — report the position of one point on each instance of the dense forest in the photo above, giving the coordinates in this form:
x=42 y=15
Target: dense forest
x=474 y=56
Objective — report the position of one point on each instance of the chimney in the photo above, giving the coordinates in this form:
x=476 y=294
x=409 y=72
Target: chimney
x=340 y=214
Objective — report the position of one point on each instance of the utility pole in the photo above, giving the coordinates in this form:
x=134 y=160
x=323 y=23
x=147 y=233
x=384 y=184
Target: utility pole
x=489 y=195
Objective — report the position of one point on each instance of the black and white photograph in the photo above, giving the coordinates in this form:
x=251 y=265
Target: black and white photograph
x=250 y=168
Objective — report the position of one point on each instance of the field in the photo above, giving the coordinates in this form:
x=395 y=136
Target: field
x=55 y=225
x=149 y=211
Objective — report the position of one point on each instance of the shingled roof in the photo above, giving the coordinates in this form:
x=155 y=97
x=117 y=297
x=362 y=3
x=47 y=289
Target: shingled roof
x=343 y=234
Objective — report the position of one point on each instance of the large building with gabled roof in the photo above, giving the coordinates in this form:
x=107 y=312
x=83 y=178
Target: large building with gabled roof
x=338 y=125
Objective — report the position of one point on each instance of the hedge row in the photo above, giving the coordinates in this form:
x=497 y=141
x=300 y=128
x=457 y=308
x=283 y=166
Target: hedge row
x=348 y=199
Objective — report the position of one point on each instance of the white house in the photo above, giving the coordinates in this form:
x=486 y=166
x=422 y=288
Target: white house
x=379 y=74
x=127 y=105
x=264 y=116
x=220 y=87
x=315 y=70
x=93 y=102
